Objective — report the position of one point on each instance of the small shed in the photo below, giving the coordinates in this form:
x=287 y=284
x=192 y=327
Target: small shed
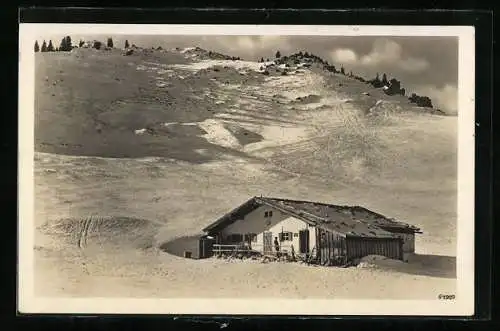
x=192 y=247
x=206 y=244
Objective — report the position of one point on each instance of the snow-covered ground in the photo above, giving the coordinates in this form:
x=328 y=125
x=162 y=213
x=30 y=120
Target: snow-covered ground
x=323 y=148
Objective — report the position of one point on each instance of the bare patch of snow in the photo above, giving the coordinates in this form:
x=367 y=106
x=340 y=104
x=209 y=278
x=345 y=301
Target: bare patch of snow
x=234 y=115
x=303 y=65
x=178 y=123
x=308 y=83
x=218 y=134
x=155 y=64
x=187 y=49
x=276 y=135
x=378 y=103
x=201 y=151
x=232 y=86
x=205 y=64
x=163 y=71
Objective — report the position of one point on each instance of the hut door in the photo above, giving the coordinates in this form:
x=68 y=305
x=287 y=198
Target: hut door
x=304 y=241
x=268 y=242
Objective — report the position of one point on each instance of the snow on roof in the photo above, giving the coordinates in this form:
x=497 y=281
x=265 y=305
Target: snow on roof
x=353 y=221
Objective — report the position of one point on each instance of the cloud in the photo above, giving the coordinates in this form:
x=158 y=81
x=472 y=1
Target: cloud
x=344 y=55
x=445 y=98
x=245 y=43
x=386 y=52
x=413 y=64
x=268 y=41
x=383 y=51
x=251 y=46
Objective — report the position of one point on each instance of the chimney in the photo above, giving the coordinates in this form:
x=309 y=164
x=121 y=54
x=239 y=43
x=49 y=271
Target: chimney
x=325 y=211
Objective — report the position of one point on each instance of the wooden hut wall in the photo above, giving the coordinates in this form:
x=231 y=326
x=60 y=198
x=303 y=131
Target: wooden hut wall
x=360 y=247
x=330 y=246
x=318 y=234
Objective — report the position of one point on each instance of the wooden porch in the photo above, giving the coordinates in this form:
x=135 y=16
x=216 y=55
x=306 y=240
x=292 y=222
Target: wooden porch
x=244 y=250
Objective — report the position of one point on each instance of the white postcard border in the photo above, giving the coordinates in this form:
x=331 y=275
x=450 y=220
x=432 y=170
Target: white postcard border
x=462 y=306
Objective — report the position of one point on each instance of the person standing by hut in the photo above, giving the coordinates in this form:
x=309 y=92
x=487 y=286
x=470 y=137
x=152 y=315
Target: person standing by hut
x=277 y=247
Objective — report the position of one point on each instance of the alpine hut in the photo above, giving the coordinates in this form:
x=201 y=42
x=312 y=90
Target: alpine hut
x=325 y=233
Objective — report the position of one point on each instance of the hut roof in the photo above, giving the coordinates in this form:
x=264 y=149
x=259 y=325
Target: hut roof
x=351 y=221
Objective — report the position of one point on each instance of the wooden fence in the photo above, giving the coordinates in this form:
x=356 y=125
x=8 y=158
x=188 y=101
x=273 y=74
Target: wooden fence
x=220 y=249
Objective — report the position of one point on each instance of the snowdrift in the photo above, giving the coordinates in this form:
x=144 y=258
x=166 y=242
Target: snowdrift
x=377 y=261
x=417 y=264
x=125 y=232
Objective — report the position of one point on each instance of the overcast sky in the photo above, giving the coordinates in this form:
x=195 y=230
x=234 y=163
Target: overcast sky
x=424 y=65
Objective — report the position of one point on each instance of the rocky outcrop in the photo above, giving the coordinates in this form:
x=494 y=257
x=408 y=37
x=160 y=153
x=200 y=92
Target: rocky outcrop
x=394 y=88
x=421 y=101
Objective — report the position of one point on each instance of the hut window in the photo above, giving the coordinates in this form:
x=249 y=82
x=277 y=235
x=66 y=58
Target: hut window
x=268 y=214
x=235 y=238
x=286 y=236
x=251 y=237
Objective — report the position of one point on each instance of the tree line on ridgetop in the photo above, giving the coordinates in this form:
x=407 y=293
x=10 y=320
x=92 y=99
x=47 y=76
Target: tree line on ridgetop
x=66 y=45
x=391 y=86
